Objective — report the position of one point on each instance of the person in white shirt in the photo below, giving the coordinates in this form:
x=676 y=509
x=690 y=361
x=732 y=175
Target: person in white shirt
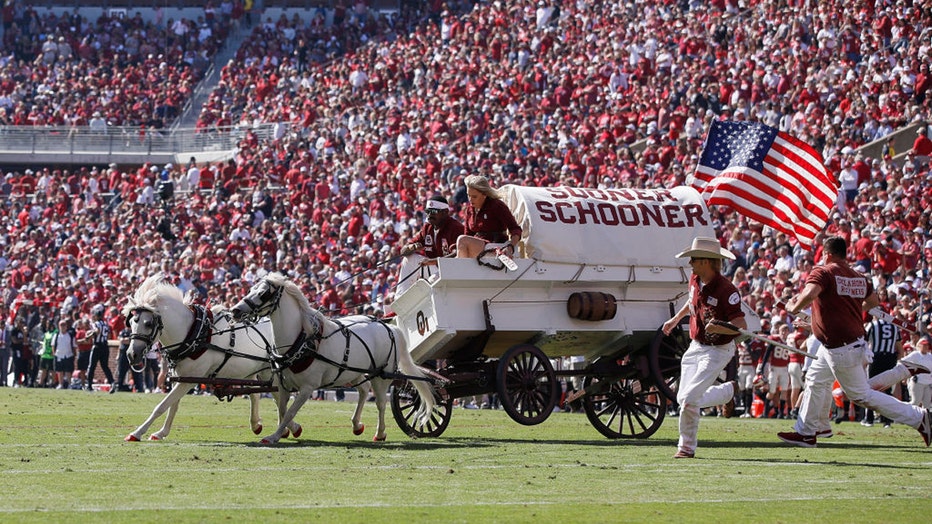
x=64 y=345
x=920 y=385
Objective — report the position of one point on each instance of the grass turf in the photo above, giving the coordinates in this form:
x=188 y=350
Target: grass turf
x=63 y=456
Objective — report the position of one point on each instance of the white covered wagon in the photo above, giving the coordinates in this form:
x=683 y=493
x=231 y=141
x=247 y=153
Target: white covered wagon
x=596 y=277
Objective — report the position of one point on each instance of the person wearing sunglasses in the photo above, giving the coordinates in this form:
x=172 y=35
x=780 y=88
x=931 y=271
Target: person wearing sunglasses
x=712 y=297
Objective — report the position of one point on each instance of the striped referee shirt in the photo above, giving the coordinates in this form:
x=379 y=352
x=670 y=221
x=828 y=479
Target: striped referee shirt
x=103 y=332
x=882 y=336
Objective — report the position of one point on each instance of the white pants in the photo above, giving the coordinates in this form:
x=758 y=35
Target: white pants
x=746 y=375
x=920 y=394
x=700 y=366
x=846 y=364
x=795 y=370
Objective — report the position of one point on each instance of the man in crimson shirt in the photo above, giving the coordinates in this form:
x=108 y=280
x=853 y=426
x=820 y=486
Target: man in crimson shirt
x=712 y=297
x=437 y=238
x=438 y=235
x=922 y=146
x=839 y=295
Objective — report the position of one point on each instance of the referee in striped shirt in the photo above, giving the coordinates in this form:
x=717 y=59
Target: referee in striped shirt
x=884 y=340
x=100 y=352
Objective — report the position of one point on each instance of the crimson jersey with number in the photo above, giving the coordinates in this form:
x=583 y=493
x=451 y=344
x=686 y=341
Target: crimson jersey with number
x=750 y=351
x=780 y=358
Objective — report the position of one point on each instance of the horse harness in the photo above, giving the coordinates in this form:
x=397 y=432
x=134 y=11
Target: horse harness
x=197 y=341
x=305 y=350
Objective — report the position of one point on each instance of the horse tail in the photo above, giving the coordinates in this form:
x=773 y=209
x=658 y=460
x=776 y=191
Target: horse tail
x=407 y=366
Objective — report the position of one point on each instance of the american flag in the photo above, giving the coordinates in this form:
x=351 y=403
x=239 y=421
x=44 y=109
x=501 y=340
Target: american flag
x=768 y=176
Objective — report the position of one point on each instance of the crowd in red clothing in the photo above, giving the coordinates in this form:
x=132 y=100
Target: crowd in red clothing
x=70 y=71
x=525 y=92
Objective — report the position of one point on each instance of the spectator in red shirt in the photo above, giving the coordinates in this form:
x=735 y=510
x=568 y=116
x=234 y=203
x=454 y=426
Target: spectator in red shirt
x=922 y=147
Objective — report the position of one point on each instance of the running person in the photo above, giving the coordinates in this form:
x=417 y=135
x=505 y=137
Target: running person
x=711 y=297
x=839 y=295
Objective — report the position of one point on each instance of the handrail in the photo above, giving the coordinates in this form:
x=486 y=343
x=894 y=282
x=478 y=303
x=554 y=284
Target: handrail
x=124 y=140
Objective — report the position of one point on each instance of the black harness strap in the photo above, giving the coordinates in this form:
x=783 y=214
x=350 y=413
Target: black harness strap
x=197 y=340
x=305 y=350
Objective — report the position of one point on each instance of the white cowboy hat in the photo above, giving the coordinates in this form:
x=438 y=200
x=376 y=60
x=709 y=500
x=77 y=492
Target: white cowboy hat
x=705 y=247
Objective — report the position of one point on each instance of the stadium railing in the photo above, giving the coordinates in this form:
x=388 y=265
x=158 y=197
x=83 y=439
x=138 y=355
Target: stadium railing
x=121 y=144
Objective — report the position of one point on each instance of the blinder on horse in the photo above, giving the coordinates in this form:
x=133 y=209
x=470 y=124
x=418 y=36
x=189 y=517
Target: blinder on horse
x=155 y=326
x=194 y=344
x=269 y=299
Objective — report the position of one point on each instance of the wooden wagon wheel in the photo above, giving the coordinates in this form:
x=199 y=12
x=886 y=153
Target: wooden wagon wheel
x=624 y=409
x=664 y=357
x=526 y=384
x=405 y=403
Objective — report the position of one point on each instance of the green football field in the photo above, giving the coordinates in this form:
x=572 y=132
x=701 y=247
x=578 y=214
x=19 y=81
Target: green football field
x=63 y=459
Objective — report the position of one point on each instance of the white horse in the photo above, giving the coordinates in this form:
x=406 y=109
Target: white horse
x=317 y=352
x=198 y=343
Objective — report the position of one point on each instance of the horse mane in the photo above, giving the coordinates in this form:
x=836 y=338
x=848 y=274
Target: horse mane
x=151 y=291
x=312 y=319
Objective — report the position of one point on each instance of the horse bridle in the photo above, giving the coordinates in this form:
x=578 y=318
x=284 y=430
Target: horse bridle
x=269 y=301
x=147 y=339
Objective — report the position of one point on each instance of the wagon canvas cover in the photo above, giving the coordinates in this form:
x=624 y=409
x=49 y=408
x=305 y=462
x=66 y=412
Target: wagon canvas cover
x=630 y=227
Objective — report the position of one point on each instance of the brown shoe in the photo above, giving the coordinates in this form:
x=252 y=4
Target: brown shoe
x=728 y=410
x=684 y=454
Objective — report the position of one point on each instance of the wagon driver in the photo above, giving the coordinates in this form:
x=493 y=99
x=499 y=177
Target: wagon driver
x=436 y=238
x=711 y=297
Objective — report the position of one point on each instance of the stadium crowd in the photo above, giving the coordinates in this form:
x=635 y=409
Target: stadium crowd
x=379 y=114
x=70 y=71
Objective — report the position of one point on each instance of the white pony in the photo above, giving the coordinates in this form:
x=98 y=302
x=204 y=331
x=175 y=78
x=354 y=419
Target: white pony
x=198 y=343
x=316 y=352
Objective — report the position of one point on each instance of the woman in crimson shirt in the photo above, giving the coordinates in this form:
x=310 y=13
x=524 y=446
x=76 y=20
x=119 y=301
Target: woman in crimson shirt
x=489 y=222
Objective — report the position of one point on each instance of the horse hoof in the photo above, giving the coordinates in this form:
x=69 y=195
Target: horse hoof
x=257 y=430
x=266 y=442
x=378 y=438
x=359 y=430
x=154 y=437
x=131 y=438
x=297 y=432
x=287 y=433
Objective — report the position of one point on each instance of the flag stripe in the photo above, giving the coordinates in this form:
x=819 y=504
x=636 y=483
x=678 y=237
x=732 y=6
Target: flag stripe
x=754 y=186
x=805 y=162
x=766 y=175
x=778 y=226
x=762 y=203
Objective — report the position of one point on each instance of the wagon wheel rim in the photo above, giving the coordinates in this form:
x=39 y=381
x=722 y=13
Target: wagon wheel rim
x=406 y=401
x=666 y=352
x=526 y=385
x=626 y=409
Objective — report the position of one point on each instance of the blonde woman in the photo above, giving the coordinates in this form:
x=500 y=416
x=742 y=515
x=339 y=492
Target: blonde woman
x=489 y=222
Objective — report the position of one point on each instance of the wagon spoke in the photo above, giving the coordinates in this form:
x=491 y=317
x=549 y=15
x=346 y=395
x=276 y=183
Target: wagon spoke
x=405 y=404
x=624 y=410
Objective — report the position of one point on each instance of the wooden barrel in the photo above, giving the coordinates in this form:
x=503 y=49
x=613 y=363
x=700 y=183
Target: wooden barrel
x=591 y=305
